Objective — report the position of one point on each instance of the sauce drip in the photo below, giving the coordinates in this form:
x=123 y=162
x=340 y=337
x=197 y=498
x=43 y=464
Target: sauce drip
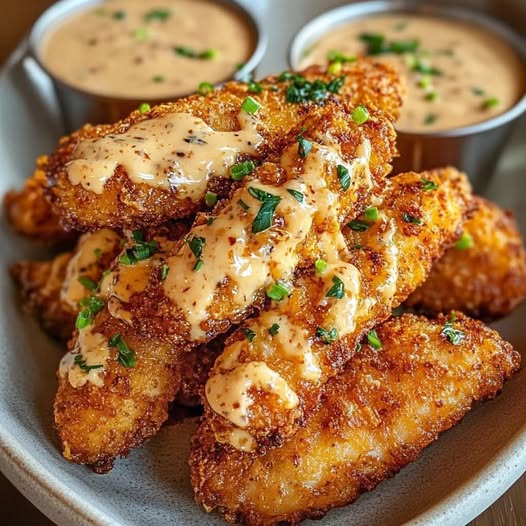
x=176 y=151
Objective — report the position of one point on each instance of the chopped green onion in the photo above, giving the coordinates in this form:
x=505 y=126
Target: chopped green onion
x=188 y=52
x=425 y=82
x=208 y=54
x=241 y=170
x=320 y=265
x=88 y=283
x=432 y=96
x=164 y=271
x=278 y=291
x=455 y=336
x=269 y=202
x=210 y=220
x=430 y=118
x=157 y=14
x=196 y=245
x=255 y=87
x=84 y=318
x=478 y=91
x=371 y=213
x=428 y=185
x=98 y=253
x=119 y=15
x=210 y=198
x=205 y=88
x=422 y=67
x=465 y=242
x=360 y=115
x=343 y=176
x=274 y=329
x=250 y=334
x=93 y=304
x=337 y=290
x=144 y=107
x=198 y=264
x=250 y=105
x=358 y=226
x=126 y=355
x=373 y=340
x=357 y=246
x=408 y=218
x=490 y=103
x=337 y=57
x=304 y=146
x=335 y=68
x=80 y=361
x=141 y=34
x=326 y=336
x=296 y=194
x=242 y=204
x=158 y=79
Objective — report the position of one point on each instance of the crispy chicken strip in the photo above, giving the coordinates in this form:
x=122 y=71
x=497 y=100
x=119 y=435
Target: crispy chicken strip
x=158 y=165
x=484 y=275
x=375 y=418
x=29 y=212
x=269 y=377
x=52 y=290
x=165 y=305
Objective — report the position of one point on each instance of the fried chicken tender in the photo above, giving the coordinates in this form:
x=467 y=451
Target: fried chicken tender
x=194 y=290
x=486 y=276
x=268 y=379
x=107 y=191
x=375 y=418
x=29 y=212
x=52 y=290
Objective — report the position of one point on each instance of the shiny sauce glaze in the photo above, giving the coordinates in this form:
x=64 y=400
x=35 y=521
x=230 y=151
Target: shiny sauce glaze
x=175 y=151
x=457 y=73
x=146 y=50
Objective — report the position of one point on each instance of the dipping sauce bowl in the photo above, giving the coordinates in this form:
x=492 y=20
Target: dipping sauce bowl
x=169 y=44
x=473 y=147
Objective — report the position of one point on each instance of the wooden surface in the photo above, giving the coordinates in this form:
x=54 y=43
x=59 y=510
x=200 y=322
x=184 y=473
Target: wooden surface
x=17 y=17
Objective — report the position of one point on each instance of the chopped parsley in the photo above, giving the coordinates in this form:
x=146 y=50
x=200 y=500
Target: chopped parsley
x=408 y=218
x=250 y=334
x=140 y=251
x=327 y=336
x=278 y=291
x=126 y=355
x=90 y=306
x=80 y=361
x=373 y=340
x=428 y=185
x=196 y=245
x=337 y=290
x=304 y=146
x=343 y=176
x=296 y=194
x=301 y=90
x=241 y=170
x=274 y=329
x=269 y=203
x=455 y=336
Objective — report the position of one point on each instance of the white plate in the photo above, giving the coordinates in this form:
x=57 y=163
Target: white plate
x=456 y=478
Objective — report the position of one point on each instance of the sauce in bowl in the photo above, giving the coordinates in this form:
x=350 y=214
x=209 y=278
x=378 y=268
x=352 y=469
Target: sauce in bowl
x=143 y=50
x=457 y=73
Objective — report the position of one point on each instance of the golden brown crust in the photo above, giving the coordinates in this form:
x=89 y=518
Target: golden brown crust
x=29 y=211
x=487 y=280
x=124 y=204
x=376 y=417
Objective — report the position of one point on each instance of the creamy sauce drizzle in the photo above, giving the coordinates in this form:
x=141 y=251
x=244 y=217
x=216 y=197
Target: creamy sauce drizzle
x=476 y=66
x=118 y=49
x=176 y=151
x=93 y=348
x=85 y=256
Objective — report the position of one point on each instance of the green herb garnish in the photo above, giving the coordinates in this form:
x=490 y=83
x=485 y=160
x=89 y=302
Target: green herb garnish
x=250 y=334
x=360 y=115
x=242 y=204
x=126 y=355
x=490 y=103
x=188 y=52
x=337 y=290
x=373 y=340
x=141 y=34
x=278 y=291
x=428 y=185
x=250 y=105
x=430 y=118
x=478 y=91
x=255 y=87
x=164 y=271
x=88 y=283
x=241 y=170
x=408 y=218
x=296 y=194
x=274 y=329
x=320 y=265
x=336 y=56
x=119 y=15
x=465 y=242
x=142 y=250
x=371 y=213
x=358 y=226
x=205 y=88
x=158 y=79
x=304 y=146
x=269 y=203
x=343 y=176
x=210 y=198
x=326 y=336
x=455 y=336
x=80 y=361
x=157 y=14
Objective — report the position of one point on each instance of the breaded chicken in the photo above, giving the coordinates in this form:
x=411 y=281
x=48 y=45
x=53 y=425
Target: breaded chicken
x=52 y=290
x=29 y=212
x=158 y=165
x=375 y=418
x=166 y=302
x=269 y=376
x=484 y=275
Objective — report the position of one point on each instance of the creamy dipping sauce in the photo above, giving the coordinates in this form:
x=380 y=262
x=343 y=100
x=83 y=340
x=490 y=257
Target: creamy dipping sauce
x=457 y=73
x=145 y=50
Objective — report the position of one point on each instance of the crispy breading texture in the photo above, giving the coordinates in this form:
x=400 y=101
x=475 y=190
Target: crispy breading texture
x=29 y=212
x=387 y=259
x=125 y=204
x=376 y=417
x=488 y=278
